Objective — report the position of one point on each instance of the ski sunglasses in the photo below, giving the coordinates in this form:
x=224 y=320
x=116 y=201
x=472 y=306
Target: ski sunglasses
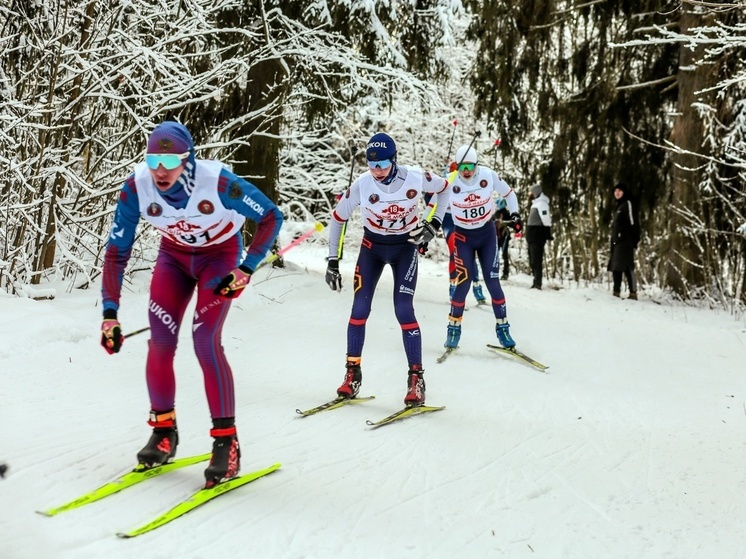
x=467 y=166
x=169 y=160
x=382 y=164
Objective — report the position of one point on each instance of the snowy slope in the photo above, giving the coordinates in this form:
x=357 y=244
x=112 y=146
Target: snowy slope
x=631 y=446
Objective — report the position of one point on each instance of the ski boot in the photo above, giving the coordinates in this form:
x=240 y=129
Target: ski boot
x=353 y=379
x=453 y=335
x=226 y=453
x=415 y=387
x=478 y=295
x=502 y=329
x=161 y=447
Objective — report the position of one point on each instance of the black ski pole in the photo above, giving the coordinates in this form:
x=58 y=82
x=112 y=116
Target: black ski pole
x=450 y=146
x=476 y=135
x=353 y=152
x=136 y=332
x=497 y=145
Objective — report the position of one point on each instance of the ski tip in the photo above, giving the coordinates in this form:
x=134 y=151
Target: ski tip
x=124 y=536
x=47 y=513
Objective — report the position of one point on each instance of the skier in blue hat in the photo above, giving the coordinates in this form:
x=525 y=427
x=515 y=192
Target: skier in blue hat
x=388 y=195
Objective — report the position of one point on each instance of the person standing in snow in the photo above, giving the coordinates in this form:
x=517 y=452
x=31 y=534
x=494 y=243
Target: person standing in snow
x=473 y=207
x=502 y=222
x=199 y=207
x=625 y=236
x=388 y=195
x=538 y=232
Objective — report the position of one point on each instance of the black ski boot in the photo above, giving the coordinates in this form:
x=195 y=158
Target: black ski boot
x=161 y=447
x=226 y=453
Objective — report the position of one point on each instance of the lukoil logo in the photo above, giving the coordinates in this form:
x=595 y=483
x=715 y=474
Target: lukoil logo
x=254 y=205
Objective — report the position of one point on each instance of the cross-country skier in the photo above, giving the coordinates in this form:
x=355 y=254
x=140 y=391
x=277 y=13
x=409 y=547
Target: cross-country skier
x=388 y=195
x=473 y=207
x=199 y=207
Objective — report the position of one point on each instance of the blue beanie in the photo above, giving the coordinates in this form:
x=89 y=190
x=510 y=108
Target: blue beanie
x=170 y=137
x=380 y=146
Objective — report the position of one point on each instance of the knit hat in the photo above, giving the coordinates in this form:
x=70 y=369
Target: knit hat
x=380 y=146
x=535 y=190
x=621 y=186
x=466 y=154
x=170 y=137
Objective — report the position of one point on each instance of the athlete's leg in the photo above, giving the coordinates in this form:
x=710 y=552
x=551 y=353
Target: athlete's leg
x=207 y=328
x=490 y=262
x=171 y=289
x=404 y=266
x=367 y=273
x=464 y=259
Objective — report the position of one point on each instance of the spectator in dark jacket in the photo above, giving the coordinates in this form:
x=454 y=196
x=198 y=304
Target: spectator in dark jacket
x=625 y=236
x=502 y=219
x=538 y=232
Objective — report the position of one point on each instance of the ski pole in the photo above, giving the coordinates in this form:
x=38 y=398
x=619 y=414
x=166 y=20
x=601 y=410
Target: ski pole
x=316 y=228
x=136 y=332
x=497 y=145
x=452 y=176
x=453 y=135
x=353 y=152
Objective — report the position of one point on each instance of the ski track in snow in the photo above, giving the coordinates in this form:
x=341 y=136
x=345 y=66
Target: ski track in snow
x=632 y=446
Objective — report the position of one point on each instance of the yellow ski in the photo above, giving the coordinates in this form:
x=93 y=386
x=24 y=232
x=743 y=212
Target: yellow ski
x=127 y=480
x=408 y=411
x=198 y=499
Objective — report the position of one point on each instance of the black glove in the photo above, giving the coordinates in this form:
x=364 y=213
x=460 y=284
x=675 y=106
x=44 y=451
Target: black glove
x=111 y=332
x=232 y=285
x=515 y=222
x=424 y=232
x=333 y=277
x=422 y=249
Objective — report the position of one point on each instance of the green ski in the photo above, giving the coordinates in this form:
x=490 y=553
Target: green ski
x=338 y=402
x=127 y=480
x=513 y=352
x=408 y=411
x=198 y=499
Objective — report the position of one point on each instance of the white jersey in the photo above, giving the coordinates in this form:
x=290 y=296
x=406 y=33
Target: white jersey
x=473 y=200
x=391 y=209
x=204 y=221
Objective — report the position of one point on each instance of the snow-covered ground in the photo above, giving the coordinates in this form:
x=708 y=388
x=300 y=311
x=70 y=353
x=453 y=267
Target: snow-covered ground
x=632 y=446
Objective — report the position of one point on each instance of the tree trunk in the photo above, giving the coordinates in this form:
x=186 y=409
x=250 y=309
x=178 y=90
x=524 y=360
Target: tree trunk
x=683 y=269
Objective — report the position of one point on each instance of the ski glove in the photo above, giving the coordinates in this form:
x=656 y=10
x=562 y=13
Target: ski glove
x=111 y=332
x=333 y=277
x=232 y=285
x=424 y=232
x=515 y=222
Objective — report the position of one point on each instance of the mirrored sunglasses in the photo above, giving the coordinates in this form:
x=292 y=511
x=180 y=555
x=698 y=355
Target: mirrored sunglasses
x=467 y=166
x=169 y=160
x=382 y=164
